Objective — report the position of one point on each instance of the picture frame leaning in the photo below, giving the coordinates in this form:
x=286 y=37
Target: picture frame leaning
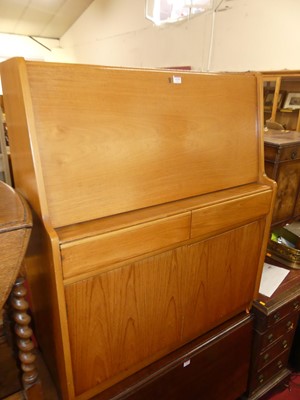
x=292 y=101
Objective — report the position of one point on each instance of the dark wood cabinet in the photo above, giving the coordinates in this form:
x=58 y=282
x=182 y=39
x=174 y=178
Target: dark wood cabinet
x=212 y=367
x=282 y=163
x=275 y=321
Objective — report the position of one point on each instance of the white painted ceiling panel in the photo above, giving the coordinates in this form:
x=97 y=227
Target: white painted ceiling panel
x=40 y=18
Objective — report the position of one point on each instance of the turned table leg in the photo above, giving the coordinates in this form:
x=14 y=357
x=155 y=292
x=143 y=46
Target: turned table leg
x=24 y=341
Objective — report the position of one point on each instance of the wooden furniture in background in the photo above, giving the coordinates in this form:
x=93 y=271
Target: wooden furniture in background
x=4 y=161
x=191 y=372
x=277 y=86
x=15 y=229
x=282 y=163
x=275 y=322
x=151 y=210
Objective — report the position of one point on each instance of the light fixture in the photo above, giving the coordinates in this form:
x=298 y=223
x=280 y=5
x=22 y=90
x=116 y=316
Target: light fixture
x=170 y=11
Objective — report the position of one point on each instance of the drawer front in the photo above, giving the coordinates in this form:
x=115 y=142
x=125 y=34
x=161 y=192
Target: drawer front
x=283 y=153
x=263 y=322
x=260 y=378
x=285 y=326
x=271 y=152
x=88 y=254
x=282 y=344
x=290 y=153
x=219 y=217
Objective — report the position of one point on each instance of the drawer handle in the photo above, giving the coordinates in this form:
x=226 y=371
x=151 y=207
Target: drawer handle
x=285 y=344
x=289 y=326
x=296 y=305
x=261 y=378
x=270 y=337
x=276 y=316
x=266 y=357
x=279 y=364
x=293 y=155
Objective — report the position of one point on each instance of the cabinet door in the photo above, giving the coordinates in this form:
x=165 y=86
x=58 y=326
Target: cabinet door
x=288 y=180
x=297 y=205
x=127 y=317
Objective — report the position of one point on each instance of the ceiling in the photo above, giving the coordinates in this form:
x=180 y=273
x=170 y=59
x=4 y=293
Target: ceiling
x=40 y=18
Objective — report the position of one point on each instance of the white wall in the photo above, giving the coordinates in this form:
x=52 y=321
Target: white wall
x=257 y=35
x=250 y=35
x=24 y=46
x=115 y=32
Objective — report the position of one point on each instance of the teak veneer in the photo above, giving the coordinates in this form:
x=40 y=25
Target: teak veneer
x=151 y=210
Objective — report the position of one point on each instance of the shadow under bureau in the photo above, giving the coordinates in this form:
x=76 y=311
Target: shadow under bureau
x=151 y=210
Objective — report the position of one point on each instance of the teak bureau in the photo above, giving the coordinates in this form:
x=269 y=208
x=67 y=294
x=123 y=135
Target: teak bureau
x=151 y=210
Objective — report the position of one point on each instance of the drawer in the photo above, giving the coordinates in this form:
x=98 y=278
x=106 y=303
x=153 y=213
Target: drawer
x=268 y=355
x=284 y=153
x=88 y=254
x=290 y=153
x=284 y=327
x=260 y=378
x=264 y=322
x=218 y=217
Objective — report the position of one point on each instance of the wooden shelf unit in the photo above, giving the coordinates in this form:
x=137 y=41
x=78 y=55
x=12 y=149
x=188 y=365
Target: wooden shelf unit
x=282 y=82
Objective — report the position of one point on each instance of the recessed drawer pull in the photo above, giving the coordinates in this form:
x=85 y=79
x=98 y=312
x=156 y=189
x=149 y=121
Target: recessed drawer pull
x=279 y=364
x=285 y=344
x=296 y=305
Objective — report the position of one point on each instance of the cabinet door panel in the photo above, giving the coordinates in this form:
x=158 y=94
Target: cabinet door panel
x=125 y=318
x=221 y=277
x=288 y=180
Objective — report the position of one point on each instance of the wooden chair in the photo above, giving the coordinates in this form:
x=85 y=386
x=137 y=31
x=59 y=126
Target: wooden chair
x=15 y=229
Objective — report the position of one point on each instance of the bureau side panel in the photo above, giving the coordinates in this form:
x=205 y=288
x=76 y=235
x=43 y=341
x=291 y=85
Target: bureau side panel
x=128 y=317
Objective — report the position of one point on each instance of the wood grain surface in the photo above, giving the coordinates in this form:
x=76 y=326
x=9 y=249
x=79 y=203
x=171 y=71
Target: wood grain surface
x=103 y=152
x=119 y=165
x=126 y=318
